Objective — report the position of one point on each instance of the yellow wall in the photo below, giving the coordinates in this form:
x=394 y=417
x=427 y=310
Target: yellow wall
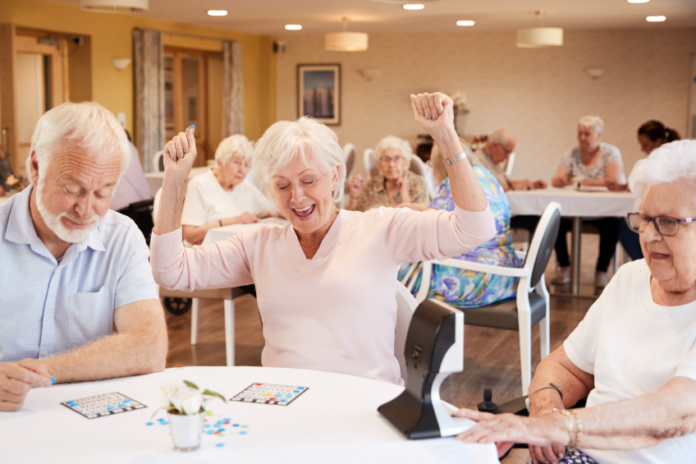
x=111 y=37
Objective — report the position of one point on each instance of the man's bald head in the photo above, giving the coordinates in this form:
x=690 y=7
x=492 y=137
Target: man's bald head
x=500 y=144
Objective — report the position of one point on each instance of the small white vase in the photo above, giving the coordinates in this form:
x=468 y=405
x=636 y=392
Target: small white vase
x=186 y=431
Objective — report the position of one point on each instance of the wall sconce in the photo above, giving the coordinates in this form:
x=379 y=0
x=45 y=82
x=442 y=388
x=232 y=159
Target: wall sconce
x=370 y=74
x=121 y=63
x=595 y=73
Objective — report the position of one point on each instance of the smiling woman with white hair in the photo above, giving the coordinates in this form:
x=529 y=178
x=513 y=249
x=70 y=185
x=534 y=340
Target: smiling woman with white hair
x=223 y=196
x=634 y=354
x=395 y=185
x=326 y=282
x=595 y=164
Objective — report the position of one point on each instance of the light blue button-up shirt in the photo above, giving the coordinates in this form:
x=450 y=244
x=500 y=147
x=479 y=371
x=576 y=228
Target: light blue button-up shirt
x=48 y=307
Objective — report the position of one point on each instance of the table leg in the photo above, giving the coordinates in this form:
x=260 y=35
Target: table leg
x=576 y=235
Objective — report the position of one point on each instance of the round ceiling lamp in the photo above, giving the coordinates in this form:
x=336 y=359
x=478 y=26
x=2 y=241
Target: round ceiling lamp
x=538 y=37
x=115 y=6
x=345 y=41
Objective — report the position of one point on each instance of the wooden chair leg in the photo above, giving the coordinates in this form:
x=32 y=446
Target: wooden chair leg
x=229 y=331
x=195 y=304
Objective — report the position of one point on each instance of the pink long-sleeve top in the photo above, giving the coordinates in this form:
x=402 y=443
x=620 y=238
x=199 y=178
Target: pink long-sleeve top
x=335 y=312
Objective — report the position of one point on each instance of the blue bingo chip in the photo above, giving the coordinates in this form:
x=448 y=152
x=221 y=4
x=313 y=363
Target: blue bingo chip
x=110 y=408
x=220 y=445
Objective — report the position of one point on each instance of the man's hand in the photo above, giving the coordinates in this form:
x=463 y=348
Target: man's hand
x=244 y=218
x=540 y=184
x=17 y=378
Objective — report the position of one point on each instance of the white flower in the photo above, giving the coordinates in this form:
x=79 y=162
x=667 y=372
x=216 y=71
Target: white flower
x=183 y=398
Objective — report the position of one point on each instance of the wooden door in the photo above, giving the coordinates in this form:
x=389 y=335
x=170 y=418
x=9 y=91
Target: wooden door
x=185 y=96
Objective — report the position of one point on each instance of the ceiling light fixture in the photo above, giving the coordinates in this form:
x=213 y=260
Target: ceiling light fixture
x=345 y=41
x=465 y=22
x=655 y=19
x=638 y=1
x=115 y=6
x=413 y=6
x=293 y=27
x=538 y=37
x=217 y=12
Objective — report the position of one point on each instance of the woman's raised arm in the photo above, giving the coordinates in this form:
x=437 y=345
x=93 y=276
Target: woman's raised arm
x=434 y=112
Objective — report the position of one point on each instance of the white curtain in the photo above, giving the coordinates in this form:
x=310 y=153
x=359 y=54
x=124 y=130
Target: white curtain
x=148 y=54
x=234 y=88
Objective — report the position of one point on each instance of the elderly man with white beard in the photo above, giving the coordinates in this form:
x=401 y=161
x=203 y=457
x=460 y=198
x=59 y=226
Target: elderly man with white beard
x=77 y=298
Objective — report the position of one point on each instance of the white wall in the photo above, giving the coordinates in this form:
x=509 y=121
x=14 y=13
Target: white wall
x=538 y=94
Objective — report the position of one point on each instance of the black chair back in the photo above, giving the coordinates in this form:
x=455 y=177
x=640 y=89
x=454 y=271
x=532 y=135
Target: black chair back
x=548 y=241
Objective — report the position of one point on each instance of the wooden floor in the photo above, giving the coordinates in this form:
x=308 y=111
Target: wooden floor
x=491 y=356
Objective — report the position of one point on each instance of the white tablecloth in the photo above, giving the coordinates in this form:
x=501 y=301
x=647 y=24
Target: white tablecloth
x=335 y=421
x=223 y=233
x=573 y=202
x=155 y=179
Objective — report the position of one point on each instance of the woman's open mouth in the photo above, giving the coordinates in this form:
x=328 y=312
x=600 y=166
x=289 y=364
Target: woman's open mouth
x=304 y=213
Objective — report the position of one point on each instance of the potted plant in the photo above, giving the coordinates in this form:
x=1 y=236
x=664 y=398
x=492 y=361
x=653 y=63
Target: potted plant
x=185 y=405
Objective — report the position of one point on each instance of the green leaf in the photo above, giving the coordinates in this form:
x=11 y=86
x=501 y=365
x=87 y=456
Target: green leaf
x=212 y=393
x=191 y=384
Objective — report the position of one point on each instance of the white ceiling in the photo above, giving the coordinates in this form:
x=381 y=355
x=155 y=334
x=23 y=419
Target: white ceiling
x=319 y=16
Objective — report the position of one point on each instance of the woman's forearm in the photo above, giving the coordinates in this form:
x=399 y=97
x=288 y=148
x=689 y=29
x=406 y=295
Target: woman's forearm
x=196 y=234
x=466 y=188
x=170 y=207
x=644 y=421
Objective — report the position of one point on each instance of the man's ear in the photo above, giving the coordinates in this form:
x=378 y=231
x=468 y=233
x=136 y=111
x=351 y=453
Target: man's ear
x=34 y=168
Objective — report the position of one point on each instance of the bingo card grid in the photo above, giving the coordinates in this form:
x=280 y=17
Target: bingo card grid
x=94 y=407
x=269 y=393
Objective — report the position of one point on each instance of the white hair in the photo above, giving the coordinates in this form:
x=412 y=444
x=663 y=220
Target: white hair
x=392 y=142
x=285 y=140
x=234 y=146
x=668 y=163
x=87 y=124
x=592 y=122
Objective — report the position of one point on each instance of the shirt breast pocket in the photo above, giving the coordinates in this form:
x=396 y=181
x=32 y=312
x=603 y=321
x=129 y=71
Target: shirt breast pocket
x=91 y=316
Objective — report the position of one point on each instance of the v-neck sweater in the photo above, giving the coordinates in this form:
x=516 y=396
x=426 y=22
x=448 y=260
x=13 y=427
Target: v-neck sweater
x=335 y=312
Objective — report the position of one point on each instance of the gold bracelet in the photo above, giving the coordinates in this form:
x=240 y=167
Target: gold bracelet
x=571 y=428
x=578 y=428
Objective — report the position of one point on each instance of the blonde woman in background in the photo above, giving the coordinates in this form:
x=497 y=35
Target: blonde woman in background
x=394 y=185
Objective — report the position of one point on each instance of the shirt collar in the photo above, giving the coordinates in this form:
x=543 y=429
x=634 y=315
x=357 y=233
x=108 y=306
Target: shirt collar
x=21 y=230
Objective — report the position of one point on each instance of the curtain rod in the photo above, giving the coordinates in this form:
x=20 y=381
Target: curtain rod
x=202 y=37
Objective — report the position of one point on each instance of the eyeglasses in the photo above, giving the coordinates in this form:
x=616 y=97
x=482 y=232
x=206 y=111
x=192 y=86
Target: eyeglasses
x=664 y=225
x=387 y=160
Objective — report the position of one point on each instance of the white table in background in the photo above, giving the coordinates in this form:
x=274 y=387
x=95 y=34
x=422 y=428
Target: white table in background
x=223 y=233
x=335 y=421
x=155 y=179
x=575 y=204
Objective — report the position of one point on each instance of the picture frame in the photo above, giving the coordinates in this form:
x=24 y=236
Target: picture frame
x=319 y=92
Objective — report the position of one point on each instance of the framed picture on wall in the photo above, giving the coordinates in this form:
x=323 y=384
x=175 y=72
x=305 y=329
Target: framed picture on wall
x=319 y=92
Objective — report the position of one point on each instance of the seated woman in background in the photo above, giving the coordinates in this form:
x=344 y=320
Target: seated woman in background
x=651 y=135
x=634 y=355
x=598 y=164
x=468 y=289
x=223 y=196
x=394 y=184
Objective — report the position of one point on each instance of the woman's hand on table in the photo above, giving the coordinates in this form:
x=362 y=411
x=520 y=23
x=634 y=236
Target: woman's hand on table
x=545 y=430
x=539 y=184
x=616 y=187
x=179 y=155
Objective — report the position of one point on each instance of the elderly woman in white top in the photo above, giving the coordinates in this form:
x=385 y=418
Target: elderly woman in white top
x=223 y=196
x=598 y=164
x=326 y=282
x=635 y=351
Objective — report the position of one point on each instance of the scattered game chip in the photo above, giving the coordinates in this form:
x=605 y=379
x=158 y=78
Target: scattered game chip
x=104 y=405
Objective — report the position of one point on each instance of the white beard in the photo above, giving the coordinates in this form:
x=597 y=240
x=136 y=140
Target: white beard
x=53 y=221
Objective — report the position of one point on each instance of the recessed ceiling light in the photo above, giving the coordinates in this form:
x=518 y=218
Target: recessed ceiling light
x=638 y=1
x=217 y=12
x=413 y=6
x=465 y=23
x=293 y=27
x=655 y=19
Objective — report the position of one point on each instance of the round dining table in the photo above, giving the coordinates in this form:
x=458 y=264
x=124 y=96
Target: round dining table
x=334 y=421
